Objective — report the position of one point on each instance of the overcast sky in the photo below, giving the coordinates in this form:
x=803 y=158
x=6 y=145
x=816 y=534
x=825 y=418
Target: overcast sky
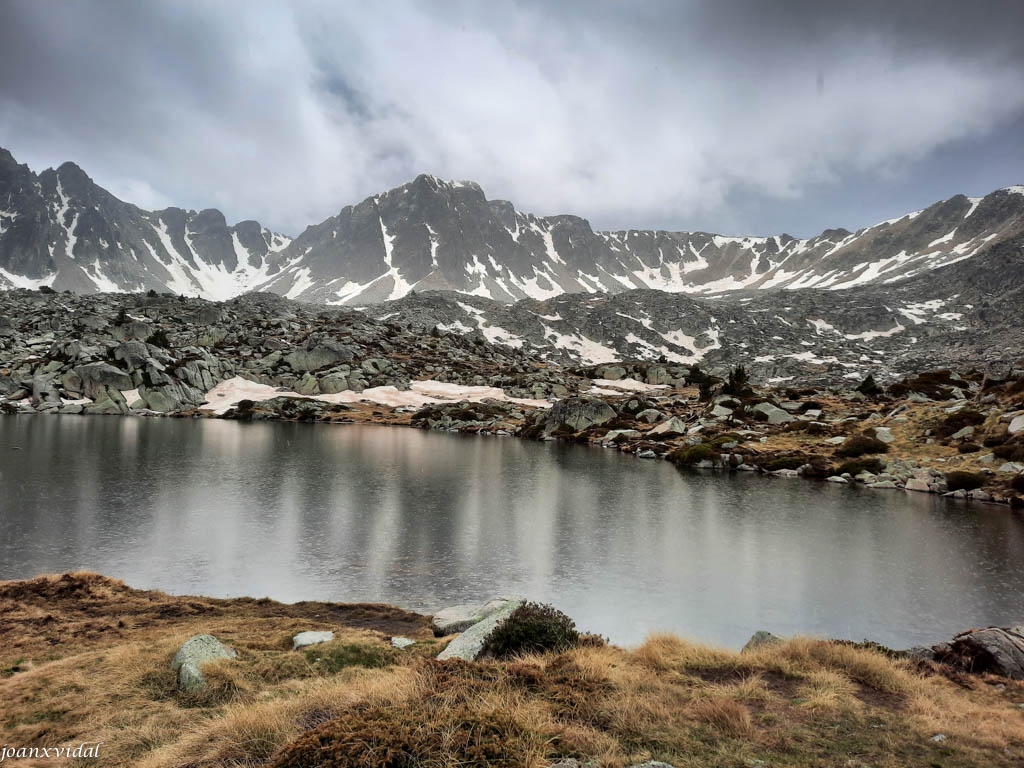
x=740 y=117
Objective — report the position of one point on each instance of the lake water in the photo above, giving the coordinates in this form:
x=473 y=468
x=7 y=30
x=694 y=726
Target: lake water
x=423 y=520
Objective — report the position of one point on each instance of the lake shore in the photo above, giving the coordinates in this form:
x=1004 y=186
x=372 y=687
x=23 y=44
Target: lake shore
x=86 y=658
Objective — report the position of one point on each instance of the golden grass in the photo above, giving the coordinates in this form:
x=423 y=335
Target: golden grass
x=802 y=702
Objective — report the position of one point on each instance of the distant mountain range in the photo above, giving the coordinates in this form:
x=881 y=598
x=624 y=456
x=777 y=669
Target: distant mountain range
x=58 y=228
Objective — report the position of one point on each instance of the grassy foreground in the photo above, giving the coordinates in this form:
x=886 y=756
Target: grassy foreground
x=84 y=657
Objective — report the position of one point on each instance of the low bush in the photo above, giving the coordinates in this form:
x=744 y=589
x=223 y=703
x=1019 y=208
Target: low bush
x=158 y=338
x=687 y=455
x=966 y=481
x=532 y=628
x=1017 y=483
x=785 y=462
x=954 y=422
x=859 y=445
x=874 y=466
x=869 y=387
x=968 y=448
x=1011 y=451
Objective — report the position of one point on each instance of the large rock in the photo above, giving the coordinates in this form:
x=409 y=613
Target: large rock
x=189 y=660
x=318 y=356
x=470 y=644
x=994 y=650
x=772 y=414
x=448 y=621
x=95 y=377
x=1017 y=425
x=578 y=413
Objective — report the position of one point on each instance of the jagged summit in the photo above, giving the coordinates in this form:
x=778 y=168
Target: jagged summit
x=59 y=228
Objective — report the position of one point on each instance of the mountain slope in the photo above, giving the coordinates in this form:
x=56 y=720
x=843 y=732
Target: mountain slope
x=62 y=230
x=58 y=228
x=430 y=234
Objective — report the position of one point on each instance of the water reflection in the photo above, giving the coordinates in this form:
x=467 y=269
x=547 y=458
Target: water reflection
x=297 y=511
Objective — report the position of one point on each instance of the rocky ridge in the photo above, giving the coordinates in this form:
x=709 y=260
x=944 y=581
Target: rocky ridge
x=60 y=229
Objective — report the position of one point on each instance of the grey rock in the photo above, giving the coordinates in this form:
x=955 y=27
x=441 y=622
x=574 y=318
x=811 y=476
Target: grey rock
x=995 y=650
x=759 y=639
x=305 y=639
x=402 y=642
x=459 y=617
x=672 y=426
x=1017 y=425
x=190 y=658
x=578 y=413
x=773 y=414
x=469 y=645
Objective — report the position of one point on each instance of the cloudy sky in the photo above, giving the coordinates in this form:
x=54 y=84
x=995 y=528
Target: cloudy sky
x=734 y=116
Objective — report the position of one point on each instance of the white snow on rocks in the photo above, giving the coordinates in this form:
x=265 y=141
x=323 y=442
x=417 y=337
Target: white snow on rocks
x=229 y=393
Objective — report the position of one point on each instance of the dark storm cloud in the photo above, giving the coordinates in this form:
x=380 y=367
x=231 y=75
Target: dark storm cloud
x=729 y=115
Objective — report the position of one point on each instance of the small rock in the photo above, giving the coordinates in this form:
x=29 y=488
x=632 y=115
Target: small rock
x=197 y=651
x=759 y=639
x=938 y=738
x=402 y=642
x=837 y=479
x=304 y=639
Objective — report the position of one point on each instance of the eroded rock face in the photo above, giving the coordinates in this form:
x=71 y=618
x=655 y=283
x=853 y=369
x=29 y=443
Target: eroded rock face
x=578 y=413
x=190 y=658
x=995 y=650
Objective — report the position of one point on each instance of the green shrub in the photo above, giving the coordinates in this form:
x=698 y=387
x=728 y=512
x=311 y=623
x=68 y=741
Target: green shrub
x=869 y=387
x=532 y=628
x=855 y=467
x=966 y=481
x=858 y=445
x=785 y=462
x=738 y=383
x=158 y=338
x=688 y=455
x=1010 y=451
x=954 y=422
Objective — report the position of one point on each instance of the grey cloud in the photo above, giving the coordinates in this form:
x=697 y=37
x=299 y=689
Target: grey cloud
x=686 y=115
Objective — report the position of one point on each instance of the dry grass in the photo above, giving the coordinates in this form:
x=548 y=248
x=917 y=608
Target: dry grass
x=803 y=702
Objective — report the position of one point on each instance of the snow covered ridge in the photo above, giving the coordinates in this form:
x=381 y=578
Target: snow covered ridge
x=60 y=229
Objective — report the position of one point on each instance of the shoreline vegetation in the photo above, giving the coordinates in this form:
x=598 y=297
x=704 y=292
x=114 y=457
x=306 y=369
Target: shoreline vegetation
x=262 y=357
x=87 y=658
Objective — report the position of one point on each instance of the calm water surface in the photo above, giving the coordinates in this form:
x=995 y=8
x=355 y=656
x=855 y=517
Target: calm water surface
x=423 y=520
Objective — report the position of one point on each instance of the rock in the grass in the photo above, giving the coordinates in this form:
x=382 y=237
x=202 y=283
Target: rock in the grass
x=1017 y=425
x=884 y=434
x=304 y=639
x=448 y=621
x=671 y=426
x=189 y=660
x=772 y=414
x=994 y=650
x=759 y=639
x=651 y=764
x=470 y=644
x=402 y=642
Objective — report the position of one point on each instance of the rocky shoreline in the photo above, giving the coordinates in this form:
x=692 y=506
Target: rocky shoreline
x=261 y=357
